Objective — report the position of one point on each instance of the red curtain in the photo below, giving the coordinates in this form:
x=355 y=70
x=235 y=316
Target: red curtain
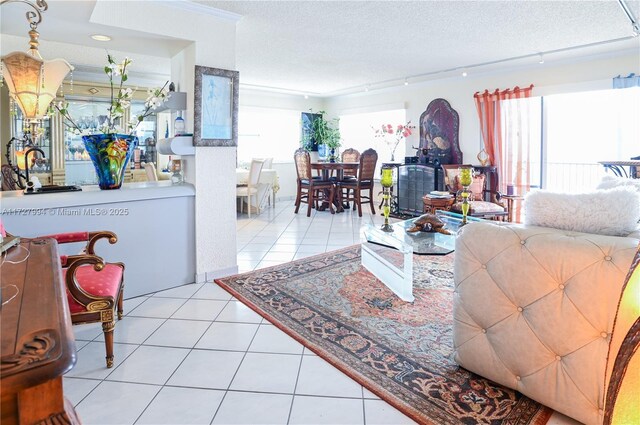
x=511 y=156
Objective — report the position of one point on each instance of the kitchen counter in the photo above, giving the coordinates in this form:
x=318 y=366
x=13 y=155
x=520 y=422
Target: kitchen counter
x=154 y=221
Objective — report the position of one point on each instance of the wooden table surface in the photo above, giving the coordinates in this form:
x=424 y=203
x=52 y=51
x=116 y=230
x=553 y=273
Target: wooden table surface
x=38 y=346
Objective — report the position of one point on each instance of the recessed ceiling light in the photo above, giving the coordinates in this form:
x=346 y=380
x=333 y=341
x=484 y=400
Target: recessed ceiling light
x=540 y=59
x=100 y=37
x=464 y=73
x=406 y=83
x=306 y=96
x=366 y=88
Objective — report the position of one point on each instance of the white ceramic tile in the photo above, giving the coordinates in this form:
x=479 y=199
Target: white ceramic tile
x=149 y=365
x=264 y=240
x=266 y=264
x=257 y=247
x=337 y=247
x=178 y=333
x=91 y=360
x=378 y=412
x=175 y=405
x=157 y=307
x=235 y=311
x=246 y=266
x=278 y=256
x=115 y=403
x=311 y=249
x=313 y=241
x=134 y=330
x=212 y=291
x=277 y=373
x=132 y=303
x=326 y=410
x=87 y=332
x=199 y=309
x=283 y=248
x=317 y=377
x=80 y=344
x=254 y=408
x=250 y=256
x=207 y=369
x=184 y=291
x=228 y=336
x=75 y=389
x=270 y=339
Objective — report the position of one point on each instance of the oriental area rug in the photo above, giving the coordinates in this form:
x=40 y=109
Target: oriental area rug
x=402 y=352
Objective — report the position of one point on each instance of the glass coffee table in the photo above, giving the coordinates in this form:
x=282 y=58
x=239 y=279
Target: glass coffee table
x=389 y=255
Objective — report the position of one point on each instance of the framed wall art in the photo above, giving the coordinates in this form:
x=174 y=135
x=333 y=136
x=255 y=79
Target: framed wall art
x=215 y=121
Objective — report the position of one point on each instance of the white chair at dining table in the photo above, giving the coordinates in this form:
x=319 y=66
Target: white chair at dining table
x=251 y=189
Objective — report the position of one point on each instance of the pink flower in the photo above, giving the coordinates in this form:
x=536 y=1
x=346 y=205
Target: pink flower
x=400 y=127
x=406 y=133
x=389 y=126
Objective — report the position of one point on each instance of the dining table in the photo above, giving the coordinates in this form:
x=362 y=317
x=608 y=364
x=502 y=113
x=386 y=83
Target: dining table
x=327 y=169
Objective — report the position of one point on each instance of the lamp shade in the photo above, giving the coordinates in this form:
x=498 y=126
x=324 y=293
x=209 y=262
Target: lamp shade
x=623 y=365
x=33 y=82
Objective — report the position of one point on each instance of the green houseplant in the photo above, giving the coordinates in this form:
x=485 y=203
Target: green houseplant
x=326 y=132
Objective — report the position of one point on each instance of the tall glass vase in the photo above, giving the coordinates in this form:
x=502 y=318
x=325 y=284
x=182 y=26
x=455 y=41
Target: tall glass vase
x=465 y=177
x=386 y=181
x=110 y=154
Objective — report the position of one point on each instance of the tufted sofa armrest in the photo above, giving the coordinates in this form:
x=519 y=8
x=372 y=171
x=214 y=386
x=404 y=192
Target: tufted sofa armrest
x=534 y=309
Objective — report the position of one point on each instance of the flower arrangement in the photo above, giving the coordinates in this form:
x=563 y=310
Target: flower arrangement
x=120 y=101
x=398 y=133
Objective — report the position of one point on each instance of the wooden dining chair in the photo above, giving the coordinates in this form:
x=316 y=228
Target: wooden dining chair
x=311 y=189
x=95 y=287
x=349 y=155
x=364 y=181
x=251 y=189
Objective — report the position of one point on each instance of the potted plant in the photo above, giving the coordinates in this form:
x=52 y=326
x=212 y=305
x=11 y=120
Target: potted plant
x=327 y=133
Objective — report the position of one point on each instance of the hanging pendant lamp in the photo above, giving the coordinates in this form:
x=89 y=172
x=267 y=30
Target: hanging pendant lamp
x=32 y=81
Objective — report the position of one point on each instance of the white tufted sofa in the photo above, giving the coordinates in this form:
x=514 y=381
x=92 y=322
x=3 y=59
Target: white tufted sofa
x=534 y=309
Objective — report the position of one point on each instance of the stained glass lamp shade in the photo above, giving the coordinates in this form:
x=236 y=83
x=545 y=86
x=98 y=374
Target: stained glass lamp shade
x=33 y=82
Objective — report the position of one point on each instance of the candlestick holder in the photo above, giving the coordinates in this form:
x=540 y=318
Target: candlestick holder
x=386 y=181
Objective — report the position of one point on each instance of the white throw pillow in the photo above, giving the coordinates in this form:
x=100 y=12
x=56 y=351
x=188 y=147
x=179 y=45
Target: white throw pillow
x=609 y=182
x=613 y=212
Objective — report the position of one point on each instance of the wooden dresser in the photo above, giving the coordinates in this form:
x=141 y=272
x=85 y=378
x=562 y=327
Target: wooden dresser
x=37 y=341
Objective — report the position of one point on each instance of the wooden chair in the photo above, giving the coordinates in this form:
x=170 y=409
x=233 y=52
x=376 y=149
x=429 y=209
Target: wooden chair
x=94 y=287
x=251 y=189
x=481 y=200
x=349 y=155
x=10 y=180
x=311 y=189
x=364 y=181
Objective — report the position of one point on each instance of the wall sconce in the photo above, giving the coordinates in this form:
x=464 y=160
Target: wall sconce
x=623 y=364
x=32 y=81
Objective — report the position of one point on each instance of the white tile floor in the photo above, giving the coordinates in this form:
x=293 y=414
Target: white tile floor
x=195 y=355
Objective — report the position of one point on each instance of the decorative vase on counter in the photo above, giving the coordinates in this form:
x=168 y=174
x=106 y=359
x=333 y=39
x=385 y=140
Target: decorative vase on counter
x=110 y=154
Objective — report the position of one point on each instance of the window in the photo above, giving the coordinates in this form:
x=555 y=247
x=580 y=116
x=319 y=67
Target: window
x=267 y=133
x=572 y=132
x=584 y=128
x=357 y=132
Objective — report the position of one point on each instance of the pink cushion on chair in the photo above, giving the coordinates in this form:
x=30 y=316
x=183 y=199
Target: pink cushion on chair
x=103 y=283
x=69 y=237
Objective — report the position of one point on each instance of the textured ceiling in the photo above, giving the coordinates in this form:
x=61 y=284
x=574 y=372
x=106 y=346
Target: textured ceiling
x=331 y=46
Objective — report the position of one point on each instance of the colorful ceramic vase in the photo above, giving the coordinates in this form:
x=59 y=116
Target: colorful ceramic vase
x=110 y=154
x=386 y=181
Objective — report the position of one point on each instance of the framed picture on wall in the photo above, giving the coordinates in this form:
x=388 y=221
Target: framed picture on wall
x=215 y=120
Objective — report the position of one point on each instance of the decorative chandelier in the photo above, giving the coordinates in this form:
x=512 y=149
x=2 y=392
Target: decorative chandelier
x=32 y=81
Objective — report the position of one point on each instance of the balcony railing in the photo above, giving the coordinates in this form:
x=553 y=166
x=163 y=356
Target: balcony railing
x=573 y=177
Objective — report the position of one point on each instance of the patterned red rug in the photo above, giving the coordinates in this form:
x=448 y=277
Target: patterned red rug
x=402 y=352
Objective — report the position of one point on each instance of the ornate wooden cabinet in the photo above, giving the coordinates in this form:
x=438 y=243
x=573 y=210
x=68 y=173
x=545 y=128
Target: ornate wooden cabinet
x=414 y=181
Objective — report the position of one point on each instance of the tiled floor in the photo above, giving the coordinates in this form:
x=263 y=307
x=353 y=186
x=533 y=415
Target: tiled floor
x=195 y=355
